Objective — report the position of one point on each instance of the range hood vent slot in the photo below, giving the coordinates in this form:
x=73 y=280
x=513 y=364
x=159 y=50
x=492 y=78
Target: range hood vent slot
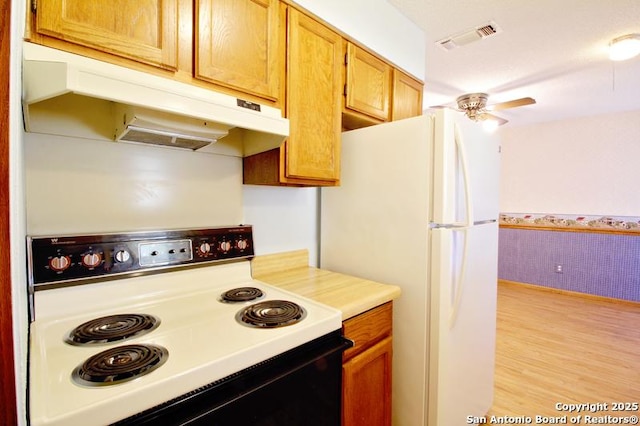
x=158 y=137
x=142 y=125
x=70 y=95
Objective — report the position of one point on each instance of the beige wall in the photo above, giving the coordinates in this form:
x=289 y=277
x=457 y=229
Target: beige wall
x=76 y=186
x=379 y=26
x=587 y=166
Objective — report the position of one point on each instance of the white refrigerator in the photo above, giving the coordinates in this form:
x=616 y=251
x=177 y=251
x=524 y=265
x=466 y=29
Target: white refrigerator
x=418 y=208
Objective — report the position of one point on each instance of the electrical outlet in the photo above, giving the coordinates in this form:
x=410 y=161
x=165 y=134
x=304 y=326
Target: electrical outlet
x=559 y=268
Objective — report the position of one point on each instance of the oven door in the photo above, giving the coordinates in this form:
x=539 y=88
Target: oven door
x=300 y=387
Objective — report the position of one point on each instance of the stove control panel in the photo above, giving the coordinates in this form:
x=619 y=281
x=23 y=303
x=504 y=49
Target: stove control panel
x=165 y=252
x=54 y=260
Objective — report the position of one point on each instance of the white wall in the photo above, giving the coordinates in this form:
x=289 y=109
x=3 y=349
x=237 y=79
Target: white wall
x=283 y=219
x=377 y=25
x=587 y=166
x=75 y=186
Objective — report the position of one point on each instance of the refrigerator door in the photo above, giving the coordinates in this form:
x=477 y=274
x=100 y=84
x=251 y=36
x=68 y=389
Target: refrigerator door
x=466 y=171
x=463 y=322
x=375 y=226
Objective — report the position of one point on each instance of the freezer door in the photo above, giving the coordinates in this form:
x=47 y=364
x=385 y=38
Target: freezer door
x=463 y=323
x=466 y=171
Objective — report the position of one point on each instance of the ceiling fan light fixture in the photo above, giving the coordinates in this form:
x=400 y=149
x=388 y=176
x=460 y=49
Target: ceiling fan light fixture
x=472 y=101
x=490 y=125
x=473 y=104
x=625 y=47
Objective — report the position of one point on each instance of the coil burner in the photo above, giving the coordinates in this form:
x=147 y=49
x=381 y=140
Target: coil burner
x=271 y=314
x=241 y=294
x=120 y=364
x=112 y=328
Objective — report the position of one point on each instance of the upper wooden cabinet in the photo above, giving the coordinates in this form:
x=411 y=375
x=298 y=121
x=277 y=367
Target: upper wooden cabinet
x=407 y=96
x=313 y=100
x=375 y=91
x=142 y=30
x=367 y=84
x=311 y=154
x=240 y=44
x=236 y=45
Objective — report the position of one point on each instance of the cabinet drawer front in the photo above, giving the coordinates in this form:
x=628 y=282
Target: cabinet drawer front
x=367 y=329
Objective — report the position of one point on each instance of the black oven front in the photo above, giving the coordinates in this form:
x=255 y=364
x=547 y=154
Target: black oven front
x=301 y=387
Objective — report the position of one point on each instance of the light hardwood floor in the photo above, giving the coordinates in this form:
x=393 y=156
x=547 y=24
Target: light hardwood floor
x=561 y=348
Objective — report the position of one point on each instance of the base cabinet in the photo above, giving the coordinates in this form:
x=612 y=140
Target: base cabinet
x=366 y=369
x=367 y=388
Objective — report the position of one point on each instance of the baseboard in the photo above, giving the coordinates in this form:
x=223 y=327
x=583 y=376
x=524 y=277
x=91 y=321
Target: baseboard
x=569 y=293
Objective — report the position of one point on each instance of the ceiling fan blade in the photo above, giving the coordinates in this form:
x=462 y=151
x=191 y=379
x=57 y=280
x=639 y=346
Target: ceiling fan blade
x=487 y=116
x=512 y=104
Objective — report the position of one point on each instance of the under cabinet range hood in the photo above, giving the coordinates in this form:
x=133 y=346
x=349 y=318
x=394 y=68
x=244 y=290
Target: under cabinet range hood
x=70 y=95
x=142 y=125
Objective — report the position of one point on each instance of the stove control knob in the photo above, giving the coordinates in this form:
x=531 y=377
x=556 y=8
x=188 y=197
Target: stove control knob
x=225 y=246
x=122 y=256
x=242 y=244
x=91 y=260
x=59 y=263
x=204 y=248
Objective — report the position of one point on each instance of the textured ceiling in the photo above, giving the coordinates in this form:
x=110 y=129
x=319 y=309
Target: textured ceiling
x=552 y=50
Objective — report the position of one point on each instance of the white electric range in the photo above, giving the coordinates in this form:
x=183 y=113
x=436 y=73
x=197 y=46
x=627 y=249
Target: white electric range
x=128 y=324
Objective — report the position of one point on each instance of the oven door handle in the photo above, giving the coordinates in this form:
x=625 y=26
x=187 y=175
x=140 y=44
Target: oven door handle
x=319 y=359
x=348 y=343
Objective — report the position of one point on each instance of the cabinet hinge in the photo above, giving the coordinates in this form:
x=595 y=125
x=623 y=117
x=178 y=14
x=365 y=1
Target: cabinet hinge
x=34 y=5
x=346 y=56
x=345 y=90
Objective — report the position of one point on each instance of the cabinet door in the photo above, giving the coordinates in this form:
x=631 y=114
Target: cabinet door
x=407 y=96
x=313 y=105
x=368 y=83
x=366 y=387
x=240 y=44
x=142 y=30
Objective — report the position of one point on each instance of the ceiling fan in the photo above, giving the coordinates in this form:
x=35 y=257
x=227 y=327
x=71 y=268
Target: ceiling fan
x=474 y=105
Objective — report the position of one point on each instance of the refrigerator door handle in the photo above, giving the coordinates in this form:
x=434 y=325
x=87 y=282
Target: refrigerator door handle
x=459 y=275
x=449 y=265
x=465 y=174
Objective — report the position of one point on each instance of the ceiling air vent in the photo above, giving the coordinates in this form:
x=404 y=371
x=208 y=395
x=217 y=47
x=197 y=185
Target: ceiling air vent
x=469 y=36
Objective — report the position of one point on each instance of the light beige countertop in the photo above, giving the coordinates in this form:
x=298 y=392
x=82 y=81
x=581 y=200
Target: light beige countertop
x=351 y=295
